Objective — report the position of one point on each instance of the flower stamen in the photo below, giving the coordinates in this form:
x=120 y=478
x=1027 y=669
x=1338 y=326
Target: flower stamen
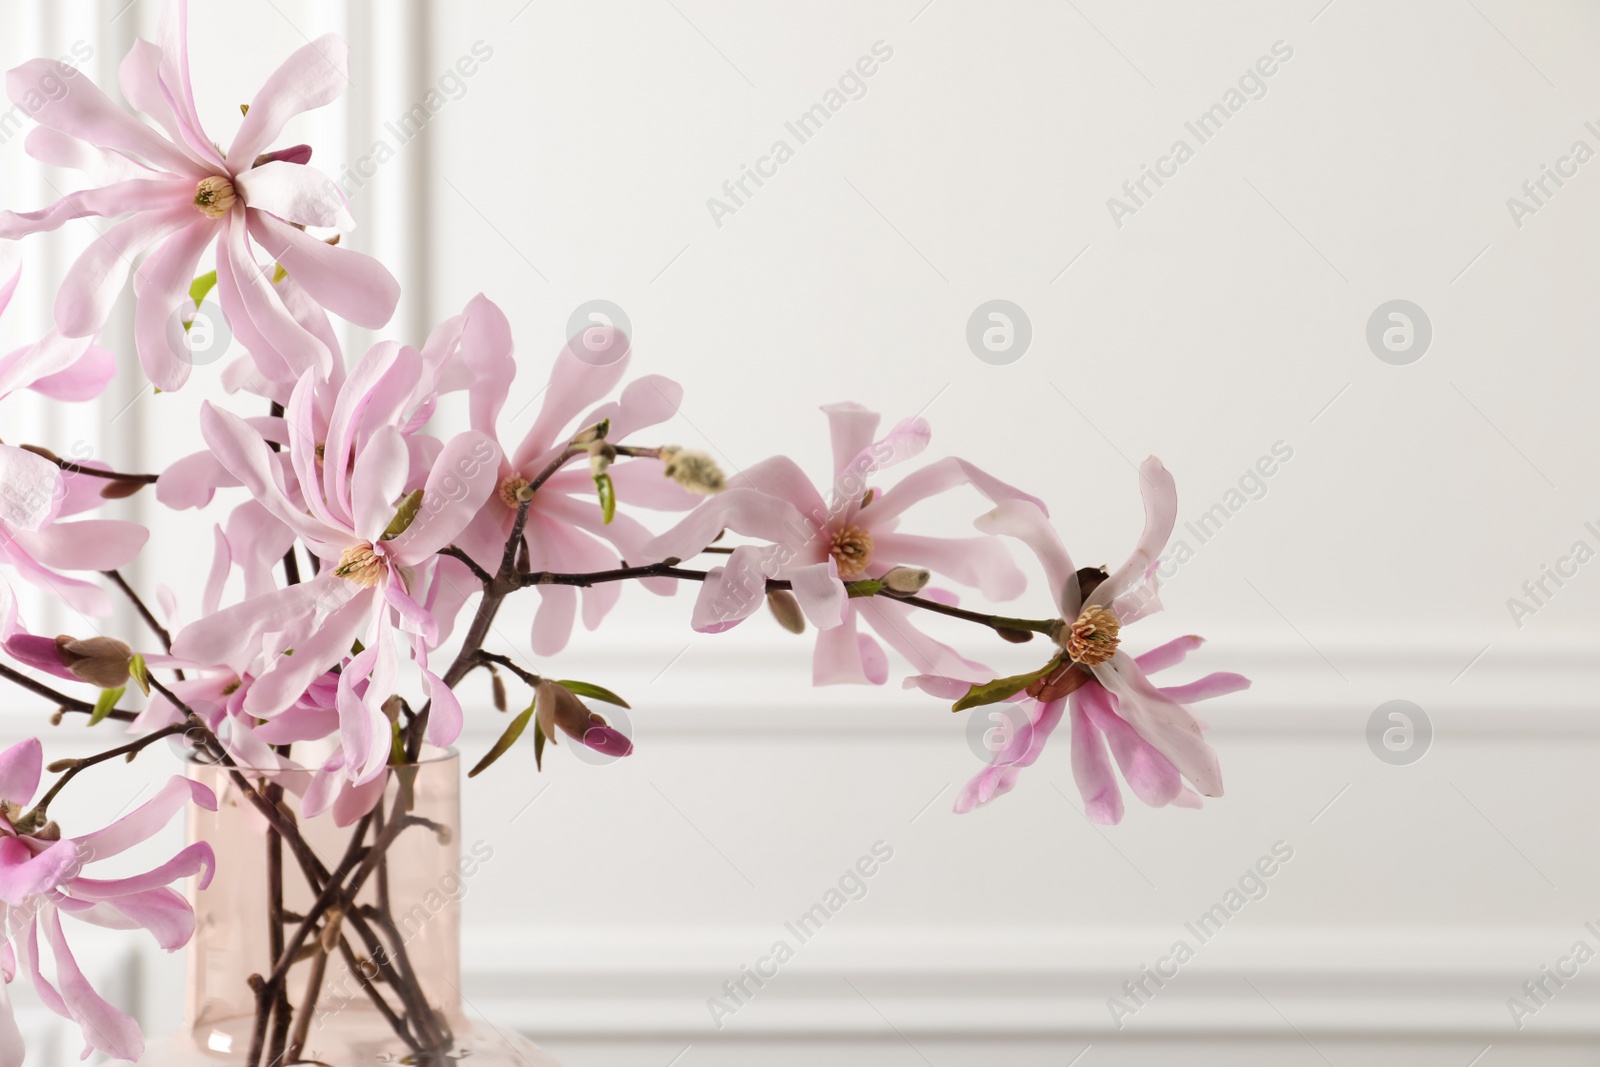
x=851 y=549
x=1094 y=637
x=360 y=565
x=214 y=196
x=509 y=490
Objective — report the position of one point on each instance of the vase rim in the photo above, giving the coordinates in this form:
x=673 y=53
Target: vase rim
x=430 y=755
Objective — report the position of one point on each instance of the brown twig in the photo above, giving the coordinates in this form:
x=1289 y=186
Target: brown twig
x=65 y=702
x=36 y=817
x=142 y=608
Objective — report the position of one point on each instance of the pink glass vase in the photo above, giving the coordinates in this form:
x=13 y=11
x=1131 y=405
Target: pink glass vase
x=408 y=919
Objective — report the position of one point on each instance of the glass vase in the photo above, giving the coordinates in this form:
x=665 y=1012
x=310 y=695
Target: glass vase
x=400 y=942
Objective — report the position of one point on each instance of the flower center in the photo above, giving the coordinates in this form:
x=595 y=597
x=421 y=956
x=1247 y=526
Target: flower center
x=361 y=565
x=1093 y=638
x=509 y=489
x=851 y=549
x=214 y=197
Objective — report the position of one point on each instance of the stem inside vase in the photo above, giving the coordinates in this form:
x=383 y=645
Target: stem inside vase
x=353 y=958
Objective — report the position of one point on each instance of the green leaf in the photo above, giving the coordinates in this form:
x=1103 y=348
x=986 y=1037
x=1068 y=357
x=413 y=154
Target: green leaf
x=105 y=702
x=404 y=515
x=139 y=673
x=397 y=747
x=592 y=691
x=507 y=739
x=980 y=693
x=538 y=747
x=608 y=497
x=278 y=273
x=864 y=587
x=201 y=286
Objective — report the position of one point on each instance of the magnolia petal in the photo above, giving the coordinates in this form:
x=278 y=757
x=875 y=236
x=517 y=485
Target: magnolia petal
x=874 y=662
x=821 y=594
x=33 y=489
x=941 y=476
x=350 y=284
x=162 y=286
x=295 y=194
x=193 y=481
x=1025 y=522
x=733 y=592
x=891 y=620
x=488 y=352
x=246 y=456
x=1170 y=654
x=641 y=483
x=377 y=482
x=1212 y=685
x=20 y=767
x=162 y=911
x=837 y=657
x=466 y=472
x=1091 y=769
x=95 y=280
x=552 y=622
x=1162 y=721
x=147 y=820
x=1151 y=775
x=24 y=874
x=88 y=114
x=86 y=544
x=744 y=511
x=850 y=427
x=100 y=166
x=105 y=1028
x=194 y=859
x=12 y=1049
x=575 y=383
x=781 y=477
x=645 y=402
x=257 y=313
x=311 y=78
x=1160 y=516
x=85 y=378
x=106 y=201
x=352 y=801
x=234 y=636
x=332 y=639
x=979 y=562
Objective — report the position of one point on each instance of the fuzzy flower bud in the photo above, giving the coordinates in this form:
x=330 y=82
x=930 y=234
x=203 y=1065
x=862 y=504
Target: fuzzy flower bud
x=100 y=661
x=591 y=434
x=695 y=471
x=786 y=609
x=906 y=580
x=559 y=707
x=601 y=456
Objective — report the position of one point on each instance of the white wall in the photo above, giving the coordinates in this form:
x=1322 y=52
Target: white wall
x=1226 y=314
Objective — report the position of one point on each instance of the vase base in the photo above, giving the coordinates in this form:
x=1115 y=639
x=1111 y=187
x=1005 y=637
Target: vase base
x=342 y=1045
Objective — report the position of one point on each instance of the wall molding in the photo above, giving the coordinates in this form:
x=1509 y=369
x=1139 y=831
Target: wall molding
x=619 y=984
x=725 y=685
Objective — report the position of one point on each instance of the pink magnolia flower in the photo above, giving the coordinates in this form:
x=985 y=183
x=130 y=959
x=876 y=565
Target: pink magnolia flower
x=1024 y=724
x=34 y=495
x=818 y=546
x=350 y=488
x=458 y=355
x=566 y=530
x=182 y=194
x=1169 y=739
x=42 y=879
x=62 y=368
